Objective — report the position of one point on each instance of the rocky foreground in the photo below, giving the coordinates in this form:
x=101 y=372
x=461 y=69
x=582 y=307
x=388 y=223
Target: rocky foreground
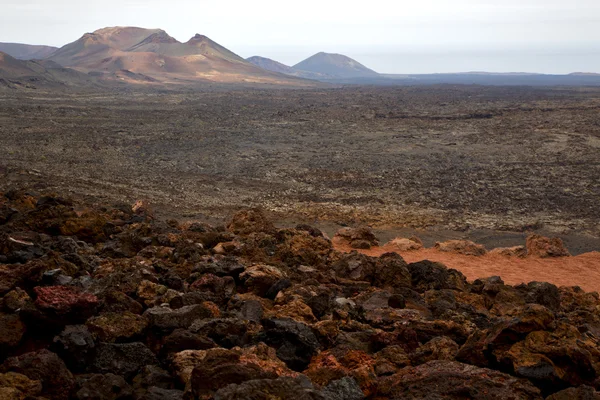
x=109 y=303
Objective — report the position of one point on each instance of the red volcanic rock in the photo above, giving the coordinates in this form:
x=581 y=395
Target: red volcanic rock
x=65 y=300
x=540 y=246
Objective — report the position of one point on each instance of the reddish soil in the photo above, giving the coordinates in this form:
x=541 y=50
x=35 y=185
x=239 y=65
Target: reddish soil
x=582 y=270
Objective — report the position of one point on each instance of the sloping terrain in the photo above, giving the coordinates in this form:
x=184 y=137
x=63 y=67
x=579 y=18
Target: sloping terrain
x=335 y=66
x=153 y=53
x=31 y=74
x=26 y=51
x=275 y=66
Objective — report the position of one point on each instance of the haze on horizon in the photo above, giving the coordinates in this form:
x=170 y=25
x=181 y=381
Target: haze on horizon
x=389 y=36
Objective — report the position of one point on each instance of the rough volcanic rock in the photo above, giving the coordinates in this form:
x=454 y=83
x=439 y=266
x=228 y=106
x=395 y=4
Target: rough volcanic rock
x=103 y=387
x=21 y=385
x=357 y=238
x=21 y=275
x=540 y=246
x=124 y=359
x=75 y=345
x=260 y=278
x=439 y=348
x=453 y=380
x=582 y=392
x=166 y=320
x=46 y=367
x=465 y=247
x=66 y=302
x=290 y=388
x=12 y=330
x=427 y=275
x=295 y=342
x=515 y=251
x=221 y=367
x=116 y=327
x=404 y=244
x=250 y=221
x=226 y=332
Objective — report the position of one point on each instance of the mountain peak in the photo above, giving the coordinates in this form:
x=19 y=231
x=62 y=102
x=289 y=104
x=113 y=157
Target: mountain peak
x=199 y=38
x=335 y=65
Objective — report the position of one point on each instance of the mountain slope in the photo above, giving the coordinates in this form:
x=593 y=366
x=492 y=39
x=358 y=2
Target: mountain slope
x=153 y=53
x=26 y=51
x=275 y=66
x=335 y=65
x=16 y=73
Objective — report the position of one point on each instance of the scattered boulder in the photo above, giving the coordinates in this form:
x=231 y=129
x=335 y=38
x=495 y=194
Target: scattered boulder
x=515 y=251
x=465 y=247
x=250 y=221
x=404 y=244
x=357 y=238
x=540 y=246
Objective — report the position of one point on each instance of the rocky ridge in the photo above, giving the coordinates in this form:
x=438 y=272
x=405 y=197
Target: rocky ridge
x=102 y=302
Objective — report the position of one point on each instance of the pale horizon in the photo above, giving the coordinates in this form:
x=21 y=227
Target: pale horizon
x=394 y=37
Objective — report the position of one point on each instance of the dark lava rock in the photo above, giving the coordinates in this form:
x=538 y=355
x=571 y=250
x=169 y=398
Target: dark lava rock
x=124 y=359
x=182 y=339
x=157 y=393
x=165 y=320
x=103 y=387
x=452 y=380
x=221 y=368
x=295 y=342
x=75 y=345
x=582 y=392
x=227 y=332
x=427 y=275
x=46 y=367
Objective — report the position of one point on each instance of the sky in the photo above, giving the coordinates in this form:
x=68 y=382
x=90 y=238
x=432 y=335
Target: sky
x=389 y=36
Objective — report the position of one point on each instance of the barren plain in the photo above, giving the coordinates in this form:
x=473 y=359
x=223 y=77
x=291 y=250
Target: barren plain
x=486 y=163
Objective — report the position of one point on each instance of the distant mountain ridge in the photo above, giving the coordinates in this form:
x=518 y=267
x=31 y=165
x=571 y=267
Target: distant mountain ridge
x=26 y=51
x=154 y=53
x=321 y=66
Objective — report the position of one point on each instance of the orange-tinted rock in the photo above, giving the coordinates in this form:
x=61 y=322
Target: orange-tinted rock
x=540 y=246
x=250 y=221
x=515 y=251
x=404 y=244
x=113 y=327
x=465 y=247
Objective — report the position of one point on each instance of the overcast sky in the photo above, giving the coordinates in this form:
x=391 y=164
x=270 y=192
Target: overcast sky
x=390 y=36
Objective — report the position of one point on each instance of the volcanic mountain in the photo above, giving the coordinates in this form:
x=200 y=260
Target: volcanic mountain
x=26 y=51
x=153 y=53
x=275 y=66
x=16 y=73
x=336 y=66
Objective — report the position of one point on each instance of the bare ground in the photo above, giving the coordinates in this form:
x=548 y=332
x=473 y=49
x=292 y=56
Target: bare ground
x=453 y=160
